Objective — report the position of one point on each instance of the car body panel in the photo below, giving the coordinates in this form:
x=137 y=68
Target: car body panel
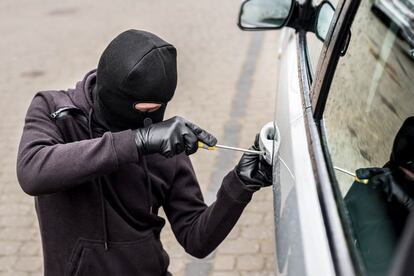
x=298 y=218
x=312 y=234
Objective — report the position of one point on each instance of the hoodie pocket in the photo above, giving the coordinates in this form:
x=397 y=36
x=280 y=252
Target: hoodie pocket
x=141 y=257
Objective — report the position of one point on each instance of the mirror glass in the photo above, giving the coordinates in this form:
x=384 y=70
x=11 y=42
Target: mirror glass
x=325 y=15
x=264 y=14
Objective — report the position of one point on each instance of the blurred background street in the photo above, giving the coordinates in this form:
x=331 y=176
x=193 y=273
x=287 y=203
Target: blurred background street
x=227 y=80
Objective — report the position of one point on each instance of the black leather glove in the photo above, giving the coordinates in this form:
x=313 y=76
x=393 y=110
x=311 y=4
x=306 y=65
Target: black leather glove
x=171 y=137
x=383 y=179
x=253 y=170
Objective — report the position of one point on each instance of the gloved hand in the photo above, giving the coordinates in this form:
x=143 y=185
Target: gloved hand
x=382 y=179
x=253 y=170
x=171 y=137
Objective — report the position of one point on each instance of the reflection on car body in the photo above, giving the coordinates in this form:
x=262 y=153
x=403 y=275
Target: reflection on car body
x=401 y=14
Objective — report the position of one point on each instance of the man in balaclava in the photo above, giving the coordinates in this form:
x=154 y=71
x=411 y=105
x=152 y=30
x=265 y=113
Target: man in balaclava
x=379 y=209
x=396 y=178
x=101 y=161
x=139 y=68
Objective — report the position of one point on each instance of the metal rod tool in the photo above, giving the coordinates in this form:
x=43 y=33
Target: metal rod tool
x=364 y=181
x=204 y=146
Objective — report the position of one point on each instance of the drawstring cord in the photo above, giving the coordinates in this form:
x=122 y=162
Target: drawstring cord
x=147 y=123
x=103 y=209
x=104 y=220
x=101 y=195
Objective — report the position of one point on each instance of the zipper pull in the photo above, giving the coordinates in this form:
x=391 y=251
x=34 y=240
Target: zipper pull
x=54 y=114
x=58 y=112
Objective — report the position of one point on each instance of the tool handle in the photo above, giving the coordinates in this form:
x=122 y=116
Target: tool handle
x=363 y=181
x=201 y=145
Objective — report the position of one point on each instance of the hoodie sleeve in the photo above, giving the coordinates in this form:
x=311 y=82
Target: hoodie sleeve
x=198 y=228
x=45 y=164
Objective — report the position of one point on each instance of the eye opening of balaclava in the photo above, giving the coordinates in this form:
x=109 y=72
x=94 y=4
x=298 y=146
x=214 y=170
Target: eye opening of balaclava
x=136 y=67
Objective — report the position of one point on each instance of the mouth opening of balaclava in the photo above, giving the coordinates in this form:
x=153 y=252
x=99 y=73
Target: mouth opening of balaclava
x=136 y=67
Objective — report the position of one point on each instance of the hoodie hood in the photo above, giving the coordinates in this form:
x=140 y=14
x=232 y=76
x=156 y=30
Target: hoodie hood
x=79 y=97
x=136 y=67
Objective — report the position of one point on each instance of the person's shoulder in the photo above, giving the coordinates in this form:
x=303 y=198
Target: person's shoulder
x=50 y=100
x=49 y=96
x=44 y=97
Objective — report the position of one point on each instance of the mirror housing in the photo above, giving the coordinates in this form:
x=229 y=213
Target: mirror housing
x=275 y=14
x=264 y=14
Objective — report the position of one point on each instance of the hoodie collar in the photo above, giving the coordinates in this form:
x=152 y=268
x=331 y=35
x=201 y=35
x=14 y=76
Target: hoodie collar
x=80 y=96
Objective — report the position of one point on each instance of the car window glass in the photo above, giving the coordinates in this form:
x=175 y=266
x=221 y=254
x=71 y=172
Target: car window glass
x=314 y=45
x=314 y=50
x=369 y=129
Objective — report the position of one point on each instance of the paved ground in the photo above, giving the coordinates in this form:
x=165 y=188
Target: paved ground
x=226 y=85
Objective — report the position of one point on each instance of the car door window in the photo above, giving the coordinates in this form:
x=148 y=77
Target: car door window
x=314 y=50
x=368 y=124
x=314 y=45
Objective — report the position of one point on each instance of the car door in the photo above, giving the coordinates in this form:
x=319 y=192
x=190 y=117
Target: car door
x=322 y=137
x=309 y=237
x=308 y=233
x=299 y=227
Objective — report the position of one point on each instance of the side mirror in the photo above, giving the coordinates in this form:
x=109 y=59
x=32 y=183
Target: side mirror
x=325 y=13
x=264 y=14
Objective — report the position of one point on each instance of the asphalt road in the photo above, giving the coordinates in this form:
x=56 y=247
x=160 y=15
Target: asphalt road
x=226 y=85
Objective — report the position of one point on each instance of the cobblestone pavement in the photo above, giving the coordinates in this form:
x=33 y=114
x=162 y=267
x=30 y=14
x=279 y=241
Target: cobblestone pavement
x=226 y=85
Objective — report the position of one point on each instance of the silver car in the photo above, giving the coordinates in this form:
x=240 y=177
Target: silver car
x=344 y=101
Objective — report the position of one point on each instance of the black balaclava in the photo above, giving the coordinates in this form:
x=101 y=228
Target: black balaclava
x=402 y=155
x=403 y=147
x=136 y=67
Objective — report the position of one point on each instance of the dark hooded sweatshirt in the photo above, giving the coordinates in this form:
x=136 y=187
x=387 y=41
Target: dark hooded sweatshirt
x=97 y=200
